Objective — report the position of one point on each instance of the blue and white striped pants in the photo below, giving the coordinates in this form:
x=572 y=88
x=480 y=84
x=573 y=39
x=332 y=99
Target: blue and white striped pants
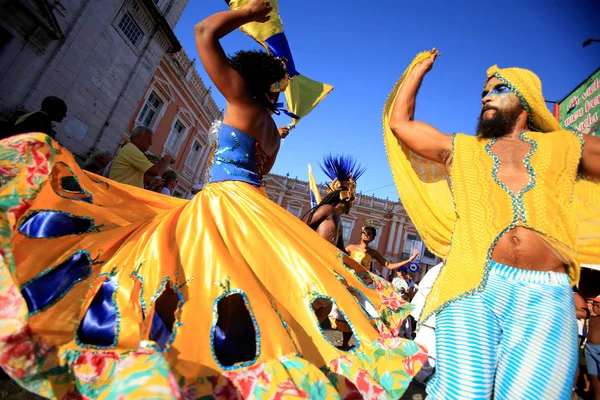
x=517 y=339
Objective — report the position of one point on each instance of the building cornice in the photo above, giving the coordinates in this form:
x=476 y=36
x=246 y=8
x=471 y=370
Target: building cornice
x=163 y=24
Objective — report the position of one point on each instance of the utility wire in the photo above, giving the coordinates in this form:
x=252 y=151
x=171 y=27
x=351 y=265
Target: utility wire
x=381 y=187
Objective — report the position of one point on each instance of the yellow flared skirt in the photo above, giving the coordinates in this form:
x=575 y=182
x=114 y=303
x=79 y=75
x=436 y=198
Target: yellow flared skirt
x=146 y=248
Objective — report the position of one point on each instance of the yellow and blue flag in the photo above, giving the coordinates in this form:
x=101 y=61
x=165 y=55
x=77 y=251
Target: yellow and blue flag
x=315 y=195
x=302 y=94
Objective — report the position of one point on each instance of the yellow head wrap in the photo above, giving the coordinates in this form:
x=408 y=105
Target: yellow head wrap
x=528 y=88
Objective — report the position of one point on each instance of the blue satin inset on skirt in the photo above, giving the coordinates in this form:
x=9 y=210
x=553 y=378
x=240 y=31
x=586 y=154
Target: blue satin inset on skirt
x=51 y=224
x=160 y=332
x=99 y=325
x=237 y=343
x=46 y=289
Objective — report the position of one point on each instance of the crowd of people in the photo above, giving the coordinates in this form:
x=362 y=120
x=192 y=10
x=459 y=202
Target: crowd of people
x=115 y=292
x=132 y=164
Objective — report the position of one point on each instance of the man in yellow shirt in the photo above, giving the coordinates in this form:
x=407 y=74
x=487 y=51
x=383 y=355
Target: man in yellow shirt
x=513 y=217
x=131 y=164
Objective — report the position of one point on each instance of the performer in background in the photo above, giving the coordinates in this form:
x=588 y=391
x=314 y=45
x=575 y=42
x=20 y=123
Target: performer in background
x=363 y=254
x=344 y=171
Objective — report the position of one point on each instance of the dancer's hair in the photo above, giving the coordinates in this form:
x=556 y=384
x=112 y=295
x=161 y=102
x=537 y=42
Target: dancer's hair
x=371 y=231
x=332 y=198
x=260 y=70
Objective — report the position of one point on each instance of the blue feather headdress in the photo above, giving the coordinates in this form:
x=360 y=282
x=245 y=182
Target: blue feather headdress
x=343 y=170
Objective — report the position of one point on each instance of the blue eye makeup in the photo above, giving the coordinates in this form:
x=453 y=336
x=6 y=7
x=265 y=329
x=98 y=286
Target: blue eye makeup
x=497 y=90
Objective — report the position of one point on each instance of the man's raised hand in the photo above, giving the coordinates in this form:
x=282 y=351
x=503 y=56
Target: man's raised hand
x=428 y=63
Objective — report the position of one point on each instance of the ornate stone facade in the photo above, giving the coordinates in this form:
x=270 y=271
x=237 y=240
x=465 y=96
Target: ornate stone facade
x=98 y=56
x=180 y=109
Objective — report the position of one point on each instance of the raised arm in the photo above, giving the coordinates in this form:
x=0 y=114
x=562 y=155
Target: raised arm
x=208 y=33
x=381 y=260
x=590 y=161
x=160 y=167
x=421 y=138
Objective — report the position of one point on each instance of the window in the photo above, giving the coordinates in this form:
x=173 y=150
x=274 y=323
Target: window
x=412 y=241
x=5 y=38
x=131 y=29
x=296 y=210
x=175 y=137
x=428 y=254
x=347 y=225
x=375 y=243
x=192 y=158
x=149 y=110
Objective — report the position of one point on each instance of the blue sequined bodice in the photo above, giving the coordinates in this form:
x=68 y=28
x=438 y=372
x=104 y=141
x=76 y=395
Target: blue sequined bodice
x=235 y=157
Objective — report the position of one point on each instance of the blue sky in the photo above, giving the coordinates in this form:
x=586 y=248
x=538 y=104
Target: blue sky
x=362 y=48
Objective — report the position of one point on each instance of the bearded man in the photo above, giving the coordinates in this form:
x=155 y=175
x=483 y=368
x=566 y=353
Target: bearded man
x=504 y=207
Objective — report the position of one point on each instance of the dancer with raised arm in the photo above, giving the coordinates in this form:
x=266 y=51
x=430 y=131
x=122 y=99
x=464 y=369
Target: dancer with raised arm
x=515 y=210
x=113 y=291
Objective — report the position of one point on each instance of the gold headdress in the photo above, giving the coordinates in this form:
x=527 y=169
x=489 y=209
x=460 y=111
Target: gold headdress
x=344 y=171
x=528 y=88
x=347 y=189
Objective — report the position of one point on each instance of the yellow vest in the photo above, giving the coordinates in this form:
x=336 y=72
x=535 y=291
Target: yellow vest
x=463 y=224
x=486 y=209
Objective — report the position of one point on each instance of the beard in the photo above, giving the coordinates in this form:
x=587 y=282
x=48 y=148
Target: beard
x=501 y=124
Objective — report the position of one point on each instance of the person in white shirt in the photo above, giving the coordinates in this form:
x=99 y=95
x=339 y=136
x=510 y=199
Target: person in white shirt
x=170 y=181
x=426 y=332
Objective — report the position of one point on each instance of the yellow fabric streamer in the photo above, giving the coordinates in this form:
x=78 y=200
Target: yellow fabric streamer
x=586 y=208
x=313 y=185
x=419 y=178
x=260 y=31
x=302 y=93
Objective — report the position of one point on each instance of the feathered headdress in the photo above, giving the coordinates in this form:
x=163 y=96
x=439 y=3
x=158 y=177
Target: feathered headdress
x=344 y=171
